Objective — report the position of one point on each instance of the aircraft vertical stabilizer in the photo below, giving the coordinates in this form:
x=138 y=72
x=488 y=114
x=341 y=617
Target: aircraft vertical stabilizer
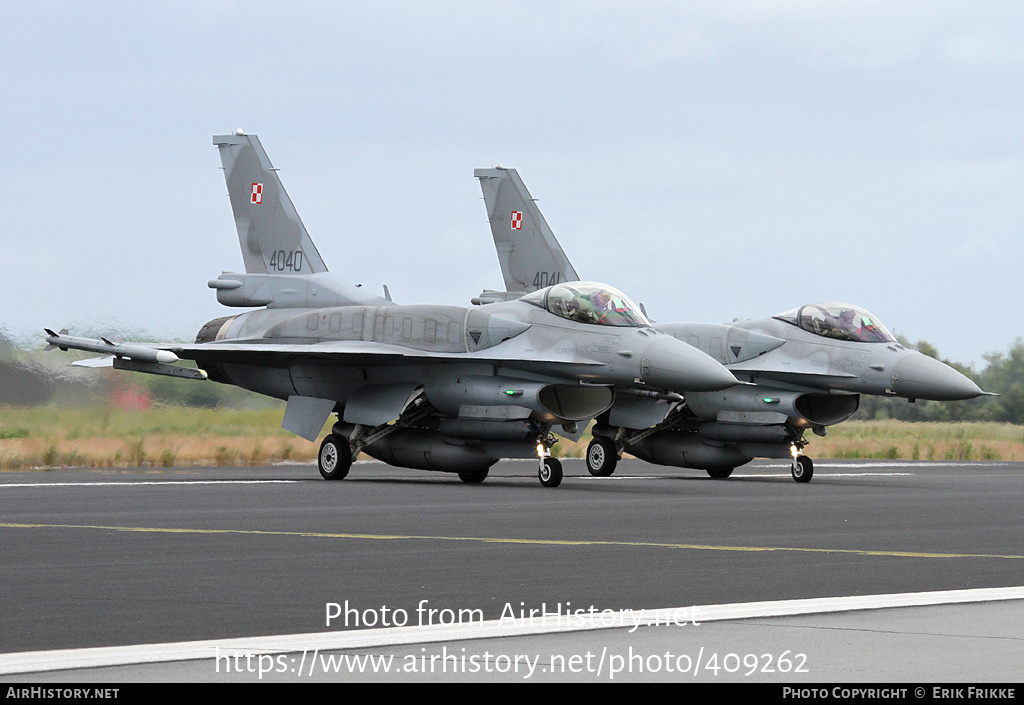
x=272 y=237
x=528 y=252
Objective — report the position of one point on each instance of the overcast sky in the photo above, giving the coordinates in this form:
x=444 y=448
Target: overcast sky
x=713 y=160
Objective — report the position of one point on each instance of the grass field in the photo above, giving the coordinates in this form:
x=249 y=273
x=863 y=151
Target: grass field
x=102 y=436
x=105 y=436
x=921 y=441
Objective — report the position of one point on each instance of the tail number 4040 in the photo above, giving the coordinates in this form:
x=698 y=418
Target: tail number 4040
x=285 y=261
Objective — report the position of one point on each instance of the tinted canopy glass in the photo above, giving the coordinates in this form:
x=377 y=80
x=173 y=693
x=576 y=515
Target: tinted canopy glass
x=839 y=321
x=589 y=302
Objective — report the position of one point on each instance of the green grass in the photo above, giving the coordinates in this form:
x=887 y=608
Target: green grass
x=107 y=420
x=921 y=441
x=102 y=435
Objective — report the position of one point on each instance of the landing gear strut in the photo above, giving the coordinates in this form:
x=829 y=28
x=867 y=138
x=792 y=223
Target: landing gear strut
x=337 y=451
x=802 y=468
x=550 y=469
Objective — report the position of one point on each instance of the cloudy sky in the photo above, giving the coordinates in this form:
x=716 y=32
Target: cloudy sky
x=715 y=160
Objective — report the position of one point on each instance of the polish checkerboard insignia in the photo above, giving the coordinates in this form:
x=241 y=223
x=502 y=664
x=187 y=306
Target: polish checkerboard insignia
x=257 y=193
x=517 y=220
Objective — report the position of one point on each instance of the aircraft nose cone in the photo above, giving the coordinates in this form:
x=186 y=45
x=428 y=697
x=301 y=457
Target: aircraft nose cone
x=918 y=376
x=673 y=365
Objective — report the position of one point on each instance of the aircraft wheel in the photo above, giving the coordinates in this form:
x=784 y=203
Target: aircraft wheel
x=720 y=473
x=551 y=472
x=335 y=457
x=601 y=457
x=473 y=477
x=802 y=469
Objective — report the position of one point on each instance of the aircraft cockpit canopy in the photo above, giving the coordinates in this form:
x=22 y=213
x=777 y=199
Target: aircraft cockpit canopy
x=589 y=302
x=839 y=321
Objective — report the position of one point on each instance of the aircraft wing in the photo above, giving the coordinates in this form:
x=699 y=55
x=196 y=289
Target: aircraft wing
x=364 y=354
x=154 y=357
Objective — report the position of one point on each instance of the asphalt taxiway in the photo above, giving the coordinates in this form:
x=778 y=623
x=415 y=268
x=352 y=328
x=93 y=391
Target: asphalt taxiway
x=96 y=560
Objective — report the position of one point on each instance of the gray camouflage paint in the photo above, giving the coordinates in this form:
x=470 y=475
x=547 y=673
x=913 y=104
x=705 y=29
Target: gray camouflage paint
x=464 y=385
x=794 y=379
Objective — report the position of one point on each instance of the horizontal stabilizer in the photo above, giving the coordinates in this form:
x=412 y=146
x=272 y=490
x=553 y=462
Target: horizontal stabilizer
x=105 y=361
x=156 y=368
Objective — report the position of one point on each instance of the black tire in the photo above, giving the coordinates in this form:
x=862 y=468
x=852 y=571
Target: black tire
x=720 y=473
x=601 y=457
x=473 y=477
x=334 y=458
x=550 y=474
x=803 y=469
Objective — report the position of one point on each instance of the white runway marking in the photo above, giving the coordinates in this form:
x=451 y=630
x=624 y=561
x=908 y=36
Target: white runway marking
x=36 y=661
x=760 y=475
x=134 y=483
x=865 y=475
x=917 y=464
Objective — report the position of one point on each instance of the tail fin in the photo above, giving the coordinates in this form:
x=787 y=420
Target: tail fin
x=273 y=238
x=528 y=252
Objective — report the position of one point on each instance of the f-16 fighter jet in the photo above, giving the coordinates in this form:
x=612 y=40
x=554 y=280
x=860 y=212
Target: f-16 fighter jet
x=803 y=370
x=432 y=387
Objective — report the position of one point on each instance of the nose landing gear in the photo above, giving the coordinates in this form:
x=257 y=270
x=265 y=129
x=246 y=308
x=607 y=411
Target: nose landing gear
x=550 y=469
x=802 y=468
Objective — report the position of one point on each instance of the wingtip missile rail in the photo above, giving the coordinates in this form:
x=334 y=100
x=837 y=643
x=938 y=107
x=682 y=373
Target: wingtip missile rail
x=106 y=347
x=128 y=356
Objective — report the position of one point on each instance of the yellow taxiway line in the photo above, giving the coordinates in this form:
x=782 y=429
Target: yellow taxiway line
x=508 y=540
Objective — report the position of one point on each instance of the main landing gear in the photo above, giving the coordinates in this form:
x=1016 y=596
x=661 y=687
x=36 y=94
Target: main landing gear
x=602 y=456
x=335 y=457
x=337 y=452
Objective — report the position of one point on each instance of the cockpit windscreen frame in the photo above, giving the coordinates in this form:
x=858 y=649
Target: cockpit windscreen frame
x=839 y=321
x=589 y=302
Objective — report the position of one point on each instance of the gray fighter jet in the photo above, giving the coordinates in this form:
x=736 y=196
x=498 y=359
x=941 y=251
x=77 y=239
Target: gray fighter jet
x=803 y=370
x=432 y=387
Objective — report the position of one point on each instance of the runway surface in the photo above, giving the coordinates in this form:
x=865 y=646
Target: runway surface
x=105 y=558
